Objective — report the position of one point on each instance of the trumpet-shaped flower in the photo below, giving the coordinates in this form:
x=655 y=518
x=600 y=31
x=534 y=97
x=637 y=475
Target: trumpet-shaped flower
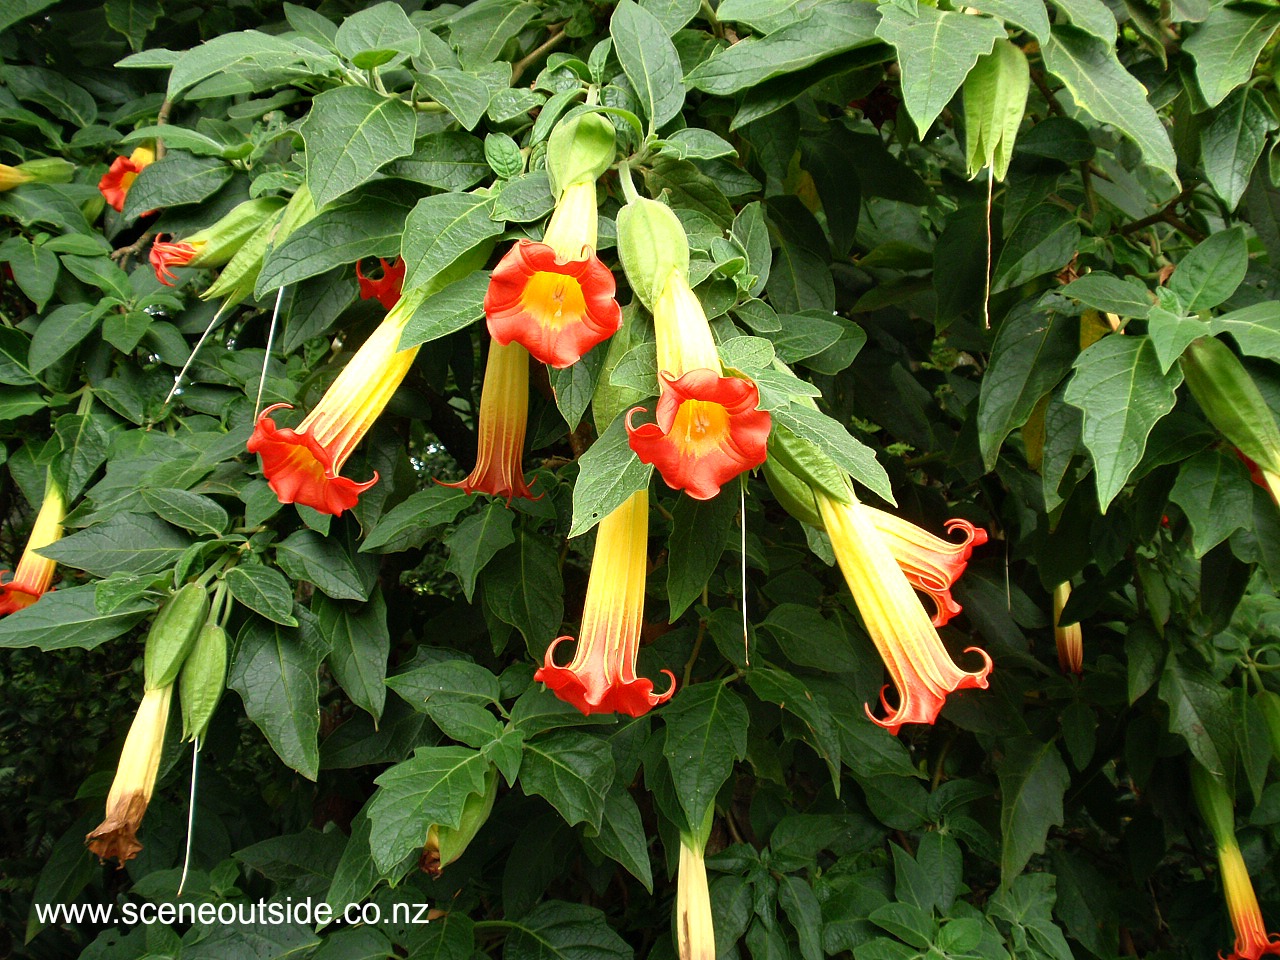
x=1069 y=639
x=115 y=183
x=932 y=564
x=556 y=298
x=504 y=414
x=386 y=288
x=34 y=574
x=602 y=675
x=918 y=664
x=303 y=465
x=11 y=177
x=117 y=835
x=695 y=930
x=707 y=428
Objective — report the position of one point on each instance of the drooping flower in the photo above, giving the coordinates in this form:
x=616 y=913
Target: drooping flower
x=40 y=170
x=708 y=429
x=386 y=288
x=918 y=664
x=1252 y=939
x=303 y=464
x=556 y=298
x=34 y=574
x=217 y=244
x=115 y=183
x=117 y=835
x=1069 y=639
x=601 y=678
x=695 y=929
x=932 y=564
x=166 y=255
x=504 y=414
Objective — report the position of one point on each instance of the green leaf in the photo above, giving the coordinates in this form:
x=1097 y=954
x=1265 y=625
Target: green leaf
x=1127 y=297
x=16 y=11
x=571 y=771
x=622 y=835
x=575 y=386
x=555 y=930
x=176 y=180
x=1211 y=272
x=1091 y=16
x=525 y=198
x=190 y=511
x=64 y=99
x=60 y=332
x=1120 y=388
x=371 y=225
x=431 y=787
x=523 y=587
x=688 y=188
x=409 y=524
x=936 y=51
x=441 y=229
x=1043 y=241
x=1033 y=780
x=1028 y=14
x=1256 y=329
x=264 y=590
x=464 y=95
x=608 y=474
x=350 y=133
x=1171 y=333
x=123 y=543
x=35 y=268
x=474 y=541
x=699 y=531
x=1028 y=904
x=85 y=443
x=69 y=617
x=444 y=682
x=808 y=639
x=834 y=440
x=1213 y=491
x=649 y=60
x=1109 y=93
x=275 y=671
x=481 y=32
x=359 y=644
x=306 y=555
x=454 y=308
x=706 y=731
x=452 y=160
x=503 y=155
x=792 y=696
x=378 y=36
x=830 y=29
x=267 y=59
x=1200 y=712
x=251 y=940
x=1232 y=142
x=672 y=14
x=133 y=18
x=1034 y=349
x=1226 y=46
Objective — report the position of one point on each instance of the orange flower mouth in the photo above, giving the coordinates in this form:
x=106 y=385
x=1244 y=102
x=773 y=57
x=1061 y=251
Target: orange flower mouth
x=595 y=694
x=708 y=431
x=115 y=183
x=556 y=309
x=386 y=288
x=14 y=597
x=165 y=255
x=299 y=469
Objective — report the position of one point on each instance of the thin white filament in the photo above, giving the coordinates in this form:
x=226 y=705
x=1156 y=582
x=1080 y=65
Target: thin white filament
x=177 y=381
x=271 y=338
x=191 y=812
x=742 y=506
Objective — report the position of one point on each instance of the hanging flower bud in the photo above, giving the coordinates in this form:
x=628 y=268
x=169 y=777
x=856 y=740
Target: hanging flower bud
x=556 y=298
x=446 y=844
x=117 y=835
x=918 y=663
x=1069 y=639
x=504 y=415
x=214 y=245
x=1252 y=939
x=34 y=574
x=43 y=170
x=172 y=634
x=386 y=288
x=602 y=675
x=695 y=929
x=115 y=183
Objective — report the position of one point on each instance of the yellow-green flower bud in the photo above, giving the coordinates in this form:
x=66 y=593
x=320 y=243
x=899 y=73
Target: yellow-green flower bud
x=651 y=244
x=446 y=844
x=172 y=633
x=202 y=680
x=580 y=150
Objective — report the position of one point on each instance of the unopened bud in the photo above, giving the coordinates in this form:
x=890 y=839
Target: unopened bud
x=652 y=245
x=446 y=844
x=202 y=680
x=580 y=150
x=172 y=634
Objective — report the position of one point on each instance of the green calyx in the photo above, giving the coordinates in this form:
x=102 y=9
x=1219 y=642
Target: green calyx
x=224 y=239
x=202 y=680
x=172 y=634
x=652 y=245
x=580 y=150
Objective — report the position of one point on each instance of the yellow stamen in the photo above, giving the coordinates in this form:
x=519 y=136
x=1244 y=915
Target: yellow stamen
x=554 y=300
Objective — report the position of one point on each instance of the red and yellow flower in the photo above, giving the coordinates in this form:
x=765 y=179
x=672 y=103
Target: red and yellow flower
x=1069 y=639
x=556 y=298
x=1252 y=939
x=115 y=183
x=35 y=573
x=169 y=254
x=707 y=428
x=504 y=414
x=135 y=780
x=918 y=664
x=386 y=288
x=304 y=464
x=932 y=565
x=601 y=678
